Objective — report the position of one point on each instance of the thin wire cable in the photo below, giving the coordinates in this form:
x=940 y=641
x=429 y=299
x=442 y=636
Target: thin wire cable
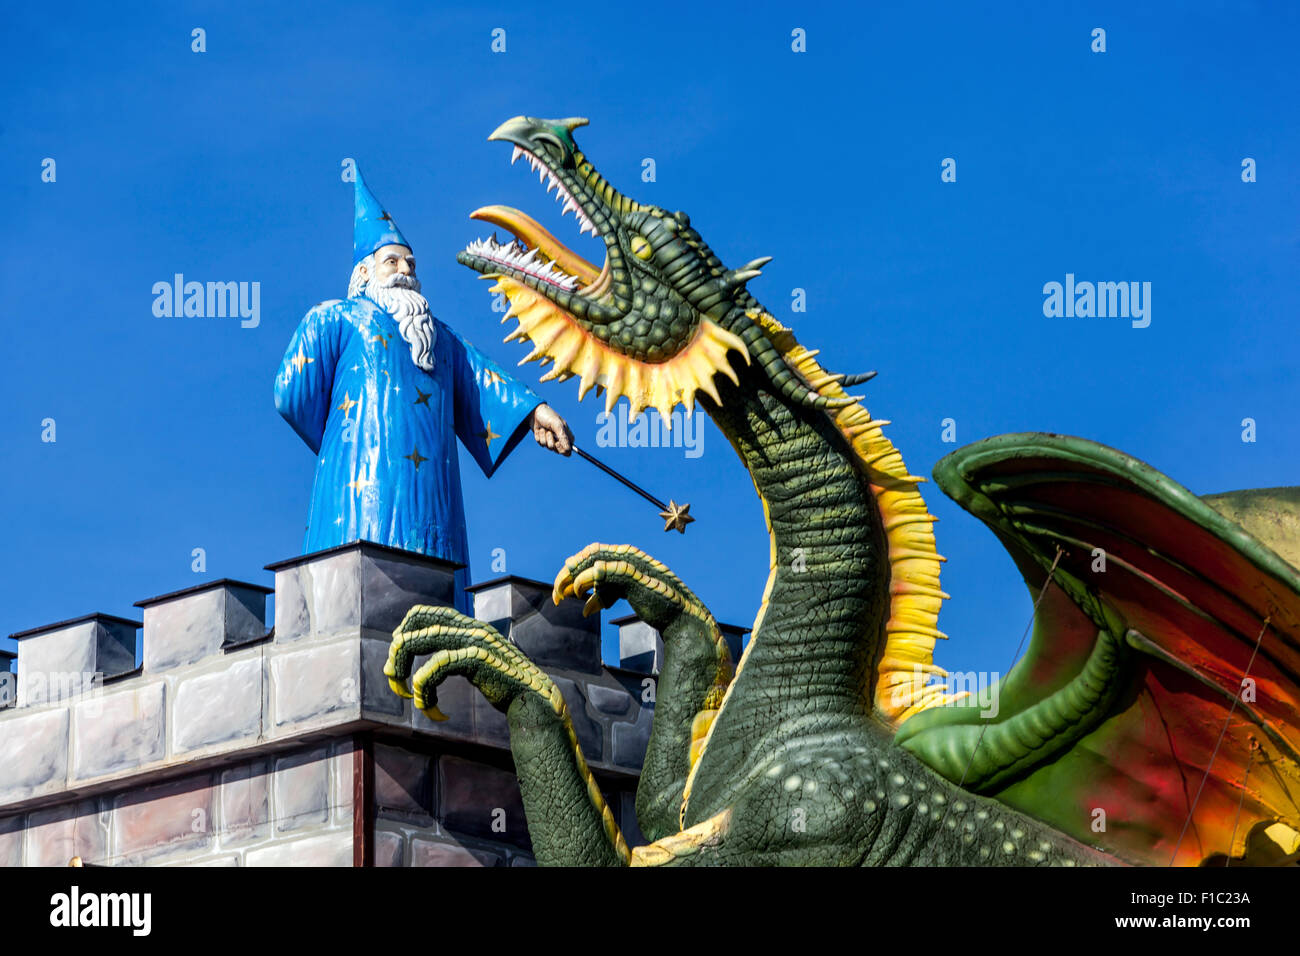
x=1240 y=803
x=1222 y=730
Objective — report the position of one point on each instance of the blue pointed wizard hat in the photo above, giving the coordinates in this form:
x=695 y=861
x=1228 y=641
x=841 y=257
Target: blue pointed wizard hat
x=374 y=228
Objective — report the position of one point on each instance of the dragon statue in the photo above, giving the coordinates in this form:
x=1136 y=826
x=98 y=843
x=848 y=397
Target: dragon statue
x=1152 y=720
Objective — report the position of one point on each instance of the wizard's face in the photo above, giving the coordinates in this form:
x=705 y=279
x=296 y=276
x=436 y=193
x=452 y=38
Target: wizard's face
x=392 y=261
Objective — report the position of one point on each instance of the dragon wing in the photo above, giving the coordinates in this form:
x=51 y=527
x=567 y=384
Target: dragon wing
x=1197 y=757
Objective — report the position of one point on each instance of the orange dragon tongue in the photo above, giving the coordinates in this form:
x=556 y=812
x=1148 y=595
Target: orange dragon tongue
x=536 y=236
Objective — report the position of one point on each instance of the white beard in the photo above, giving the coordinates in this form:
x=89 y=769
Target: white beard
x=399 y=296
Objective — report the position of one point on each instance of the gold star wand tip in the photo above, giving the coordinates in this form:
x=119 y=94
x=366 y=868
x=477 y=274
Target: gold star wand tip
x=676 y=516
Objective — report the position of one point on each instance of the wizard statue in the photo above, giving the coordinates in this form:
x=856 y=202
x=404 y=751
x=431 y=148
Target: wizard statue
x=379 y=389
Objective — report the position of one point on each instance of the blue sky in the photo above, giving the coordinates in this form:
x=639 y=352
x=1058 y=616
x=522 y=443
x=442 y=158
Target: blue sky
x=224 y=166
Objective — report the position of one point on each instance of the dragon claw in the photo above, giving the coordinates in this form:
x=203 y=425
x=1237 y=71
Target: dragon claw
x=586 y=581
x=457 y=645
x=563 y=586
x=433 y=713
x=425 y=700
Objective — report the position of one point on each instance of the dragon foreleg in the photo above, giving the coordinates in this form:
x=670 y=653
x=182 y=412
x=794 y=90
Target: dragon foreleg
x=696 y=669
x=568 y=819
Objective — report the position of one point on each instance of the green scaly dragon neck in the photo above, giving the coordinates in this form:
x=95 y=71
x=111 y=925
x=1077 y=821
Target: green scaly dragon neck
x=827 y=597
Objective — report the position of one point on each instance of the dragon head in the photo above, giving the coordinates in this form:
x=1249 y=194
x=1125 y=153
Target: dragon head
x=655 y=322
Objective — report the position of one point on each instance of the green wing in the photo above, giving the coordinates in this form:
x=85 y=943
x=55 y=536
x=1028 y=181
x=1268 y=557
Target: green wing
x=1130 y=706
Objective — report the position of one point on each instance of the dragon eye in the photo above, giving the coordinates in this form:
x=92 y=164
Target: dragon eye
x=641 y=248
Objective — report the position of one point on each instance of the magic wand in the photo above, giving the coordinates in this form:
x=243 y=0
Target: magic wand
x=674 y=515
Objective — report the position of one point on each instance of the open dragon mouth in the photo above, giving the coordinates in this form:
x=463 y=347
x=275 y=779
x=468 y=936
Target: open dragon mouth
x=534 y=253
x=653 y=347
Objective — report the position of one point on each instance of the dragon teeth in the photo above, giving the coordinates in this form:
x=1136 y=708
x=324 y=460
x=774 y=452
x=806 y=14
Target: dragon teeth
x=518 y=256
x=546 y=175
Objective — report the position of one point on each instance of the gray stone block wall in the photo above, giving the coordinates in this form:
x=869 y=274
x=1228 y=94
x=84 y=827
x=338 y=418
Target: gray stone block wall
x=187 y=626
x=33 y=754
x=439 y=809
x=294 y=809
x=232 y=745
x=8 y=680
x=120 y=732
x=641 y=648
x=363 y=585
x=61 y=661
x=551 y=635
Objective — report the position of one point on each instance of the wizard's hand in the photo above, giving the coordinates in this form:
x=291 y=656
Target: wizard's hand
x=550 y=430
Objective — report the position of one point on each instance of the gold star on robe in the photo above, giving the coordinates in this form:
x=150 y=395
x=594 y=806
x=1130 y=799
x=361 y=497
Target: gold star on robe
x=492 y=377
x=300 y=360
x=416 y=458
x=360 y=482
x=346 y=406
x=424 y=397
x=489 y=436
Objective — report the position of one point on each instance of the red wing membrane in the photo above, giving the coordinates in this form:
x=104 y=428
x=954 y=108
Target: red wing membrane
x=1216 y=605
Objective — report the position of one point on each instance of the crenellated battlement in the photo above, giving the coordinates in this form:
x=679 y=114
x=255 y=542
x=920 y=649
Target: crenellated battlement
x=231 y=743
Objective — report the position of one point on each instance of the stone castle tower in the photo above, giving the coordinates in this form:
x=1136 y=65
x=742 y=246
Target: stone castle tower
x=233 y=745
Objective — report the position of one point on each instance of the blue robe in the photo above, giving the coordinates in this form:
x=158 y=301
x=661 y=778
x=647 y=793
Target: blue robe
x=384 y=429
